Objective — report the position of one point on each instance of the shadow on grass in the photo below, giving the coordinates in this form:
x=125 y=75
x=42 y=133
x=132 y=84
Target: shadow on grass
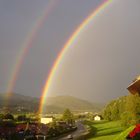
x=109 y=133
x=99 y=122
x=96 y=131
x=102 y=129
x=110 y=128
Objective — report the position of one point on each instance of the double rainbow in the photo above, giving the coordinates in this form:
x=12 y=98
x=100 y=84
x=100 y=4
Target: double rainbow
x=29 y=41
x=68 y=44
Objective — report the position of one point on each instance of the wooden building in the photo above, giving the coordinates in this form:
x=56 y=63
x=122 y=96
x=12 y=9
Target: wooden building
x=134 y=88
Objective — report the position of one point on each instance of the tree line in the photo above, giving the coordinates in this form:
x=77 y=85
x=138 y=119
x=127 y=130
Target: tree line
x=126 y=108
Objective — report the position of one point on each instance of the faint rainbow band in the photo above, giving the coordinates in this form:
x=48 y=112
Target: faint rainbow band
x=26 y=47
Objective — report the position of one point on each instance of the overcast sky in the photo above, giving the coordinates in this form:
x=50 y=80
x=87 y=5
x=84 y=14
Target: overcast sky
x=98 y=67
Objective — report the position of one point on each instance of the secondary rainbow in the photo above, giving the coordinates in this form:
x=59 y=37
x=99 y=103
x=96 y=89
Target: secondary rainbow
x=28 y=43
x=25 y=48
x=68 y=44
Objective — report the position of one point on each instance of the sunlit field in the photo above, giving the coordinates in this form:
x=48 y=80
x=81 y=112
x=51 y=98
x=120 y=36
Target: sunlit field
x=104 y=130
x=123 y=135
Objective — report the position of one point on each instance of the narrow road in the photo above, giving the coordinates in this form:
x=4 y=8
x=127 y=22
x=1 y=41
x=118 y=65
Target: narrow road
x=80 y=131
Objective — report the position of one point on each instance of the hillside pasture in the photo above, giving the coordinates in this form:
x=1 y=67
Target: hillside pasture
x=104 y=130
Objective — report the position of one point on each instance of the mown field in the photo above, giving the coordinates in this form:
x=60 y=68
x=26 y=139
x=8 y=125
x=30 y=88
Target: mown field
x=104 y=130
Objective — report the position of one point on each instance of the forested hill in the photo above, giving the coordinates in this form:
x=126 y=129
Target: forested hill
x=126 y=108
x=73 y=103
x=53 y=104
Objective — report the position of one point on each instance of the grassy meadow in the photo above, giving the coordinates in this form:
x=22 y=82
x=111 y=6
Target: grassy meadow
x=105 y=130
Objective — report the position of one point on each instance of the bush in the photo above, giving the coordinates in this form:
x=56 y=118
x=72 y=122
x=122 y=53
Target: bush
x=9 y=117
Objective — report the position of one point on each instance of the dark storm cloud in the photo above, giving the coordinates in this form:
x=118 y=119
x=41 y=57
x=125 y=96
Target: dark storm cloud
x=17 y=19
x=103 y=61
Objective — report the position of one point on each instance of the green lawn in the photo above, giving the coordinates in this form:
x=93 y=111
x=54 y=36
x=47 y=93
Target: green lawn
x=123 y=135
x=104 y=130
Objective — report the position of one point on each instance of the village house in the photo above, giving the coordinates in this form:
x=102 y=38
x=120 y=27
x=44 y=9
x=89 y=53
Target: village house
x=47 y=119
x=97 y=117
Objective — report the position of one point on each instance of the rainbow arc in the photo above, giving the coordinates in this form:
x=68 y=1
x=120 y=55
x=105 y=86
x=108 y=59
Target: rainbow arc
x=69 y=44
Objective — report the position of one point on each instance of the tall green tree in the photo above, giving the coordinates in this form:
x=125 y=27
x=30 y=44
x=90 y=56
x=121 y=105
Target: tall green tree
x=114 y=109
x=126 y=108
x=68 y=116
x=1 y=116
x=131 y=114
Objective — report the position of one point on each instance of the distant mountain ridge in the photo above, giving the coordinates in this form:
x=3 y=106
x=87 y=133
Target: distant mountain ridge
x=73 y=103
x=53 y=104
